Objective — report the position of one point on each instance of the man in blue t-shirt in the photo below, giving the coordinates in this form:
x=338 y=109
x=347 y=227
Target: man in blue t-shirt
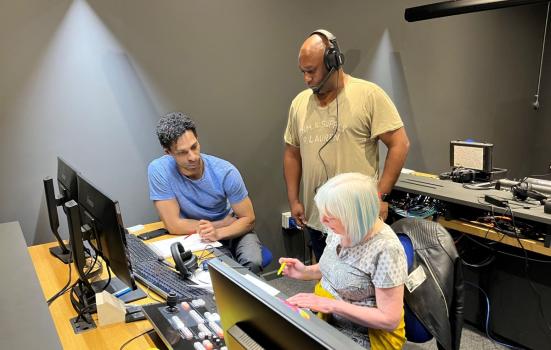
x=199 y=193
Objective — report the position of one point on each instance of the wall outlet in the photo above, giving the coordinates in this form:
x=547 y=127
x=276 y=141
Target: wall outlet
x=287 y=221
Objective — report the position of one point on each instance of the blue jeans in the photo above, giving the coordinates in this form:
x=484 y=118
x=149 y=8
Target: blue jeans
x=246 y=250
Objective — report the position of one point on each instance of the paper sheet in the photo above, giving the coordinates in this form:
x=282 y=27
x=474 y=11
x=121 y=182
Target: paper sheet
x=190 y=242
x=135 y=228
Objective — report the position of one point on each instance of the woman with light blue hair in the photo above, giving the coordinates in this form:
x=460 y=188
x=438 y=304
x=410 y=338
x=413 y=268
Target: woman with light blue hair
x=363 y=268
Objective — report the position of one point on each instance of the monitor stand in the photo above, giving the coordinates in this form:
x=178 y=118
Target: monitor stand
x=58 y=253
x=88 y=298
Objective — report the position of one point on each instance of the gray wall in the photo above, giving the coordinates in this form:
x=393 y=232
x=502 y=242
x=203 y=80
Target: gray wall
x=540 y=154
x=88 y=80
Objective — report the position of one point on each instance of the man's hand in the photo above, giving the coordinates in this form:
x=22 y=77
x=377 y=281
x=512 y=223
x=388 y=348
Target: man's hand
x=227 y=221
x=383 y=210
x=297 y=211
x=207 y=231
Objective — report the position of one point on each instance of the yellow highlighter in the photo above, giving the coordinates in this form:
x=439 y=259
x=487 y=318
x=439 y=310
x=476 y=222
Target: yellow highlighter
x=281 y=268
x=304 y=314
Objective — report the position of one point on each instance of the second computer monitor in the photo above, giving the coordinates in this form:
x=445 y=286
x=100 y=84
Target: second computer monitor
x=103 y=217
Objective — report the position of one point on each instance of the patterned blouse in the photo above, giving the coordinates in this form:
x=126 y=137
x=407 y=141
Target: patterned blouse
x=352 y=274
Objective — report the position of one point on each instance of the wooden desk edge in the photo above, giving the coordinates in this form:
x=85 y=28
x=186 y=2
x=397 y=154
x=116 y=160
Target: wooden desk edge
x=480 y=231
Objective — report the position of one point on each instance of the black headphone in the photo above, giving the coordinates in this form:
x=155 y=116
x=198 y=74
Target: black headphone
x=460 y=175
x=332 y=57
x=185 y=260
x=523 y=190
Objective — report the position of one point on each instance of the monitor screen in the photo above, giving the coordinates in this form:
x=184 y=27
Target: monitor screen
x=102 y=216
x=249 y=312
x=471 y=155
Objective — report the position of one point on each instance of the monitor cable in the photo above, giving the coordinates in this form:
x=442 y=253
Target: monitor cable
x=134 y=338
x=535 y=290
x=487 y=320
x=330 y=138
x=66 y=286
x=89 y=273
x=505 y=253
x=99 y=253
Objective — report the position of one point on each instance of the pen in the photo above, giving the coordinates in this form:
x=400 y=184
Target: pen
x=122 y=292
x=281 y=268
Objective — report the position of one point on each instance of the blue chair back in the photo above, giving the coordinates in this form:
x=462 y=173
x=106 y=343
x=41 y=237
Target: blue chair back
x=415 y=330
x=266 y=256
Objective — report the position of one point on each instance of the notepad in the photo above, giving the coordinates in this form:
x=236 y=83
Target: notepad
x=190 y=242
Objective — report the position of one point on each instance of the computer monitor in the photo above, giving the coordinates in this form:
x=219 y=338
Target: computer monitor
x=67 y=187
x=97 y=219
x=249 y=315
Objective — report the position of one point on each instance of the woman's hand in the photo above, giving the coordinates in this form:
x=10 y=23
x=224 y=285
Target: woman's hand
x=313 y=302
x=294 y=268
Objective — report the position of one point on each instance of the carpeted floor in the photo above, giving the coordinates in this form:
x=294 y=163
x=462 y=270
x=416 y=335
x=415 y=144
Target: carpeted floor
x=471 y=338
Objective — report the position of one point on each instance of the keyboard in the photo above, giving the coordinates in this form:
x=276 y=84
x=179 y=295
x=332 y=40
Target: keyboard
x=152 y=272
x=138 y=250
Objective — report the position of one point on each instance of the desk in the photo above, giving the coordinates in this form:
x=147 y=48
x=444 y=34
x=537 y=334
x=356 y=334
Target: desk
x=515 y=311
x=52 y=275
x=455 y=194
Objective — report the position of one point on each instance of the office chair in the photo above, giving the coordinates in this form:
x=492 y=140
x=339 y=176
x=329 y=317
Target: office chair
x=267 y=256
x=415 y=330
x=434 y=308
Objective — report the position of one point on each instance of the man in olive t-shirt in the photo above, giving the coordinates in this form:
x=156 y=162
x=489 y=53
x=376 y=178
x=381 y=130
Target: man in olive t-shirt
x=335 y=127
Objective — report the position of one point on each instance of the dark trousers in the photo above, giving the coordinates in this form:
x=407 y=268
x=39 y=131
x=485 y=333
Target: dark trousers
x=317 y=240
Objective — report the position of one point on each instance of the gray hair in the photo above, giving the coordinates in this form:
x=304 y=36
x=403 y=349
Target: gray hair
x=353 y=199
x=173 y=125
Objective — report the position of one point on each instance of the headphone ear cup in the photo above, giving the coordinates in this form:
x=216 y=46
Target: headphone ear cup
x=462 y=175
x=186 y=255
x=333 y=58
x=191 y=264
x=329 y=58
x=519 y=193
x=184 y=260
x=176 y=249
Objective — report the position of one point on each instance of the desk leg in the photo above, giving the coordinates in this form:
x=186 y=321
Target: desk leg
x=547 y=242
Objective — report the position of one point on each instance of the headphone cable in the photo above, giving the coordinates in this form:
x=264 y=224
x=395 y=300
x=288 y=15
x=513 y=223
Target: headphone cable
x=331 y=138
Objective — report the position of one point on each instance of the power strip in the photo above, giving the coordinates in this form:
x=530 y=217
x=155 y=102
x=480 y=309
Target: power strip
x=498 y=202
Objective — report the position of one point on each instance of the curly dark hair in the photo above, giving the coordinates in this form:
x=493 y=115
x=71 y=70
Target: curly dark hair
x=173 y=125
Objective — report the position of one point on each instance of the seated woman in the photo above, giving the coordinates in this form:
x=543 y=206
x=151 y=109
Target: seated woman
x=363 y=268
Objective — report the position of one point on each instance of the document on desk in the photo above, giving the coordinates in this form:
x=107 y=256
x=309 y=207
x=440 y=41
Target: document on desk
x=190 y=242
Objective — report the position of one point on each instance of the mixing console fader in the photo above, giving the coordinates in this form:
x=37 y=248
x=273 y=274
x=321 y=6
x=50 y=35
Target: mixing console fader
x=191 y=324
